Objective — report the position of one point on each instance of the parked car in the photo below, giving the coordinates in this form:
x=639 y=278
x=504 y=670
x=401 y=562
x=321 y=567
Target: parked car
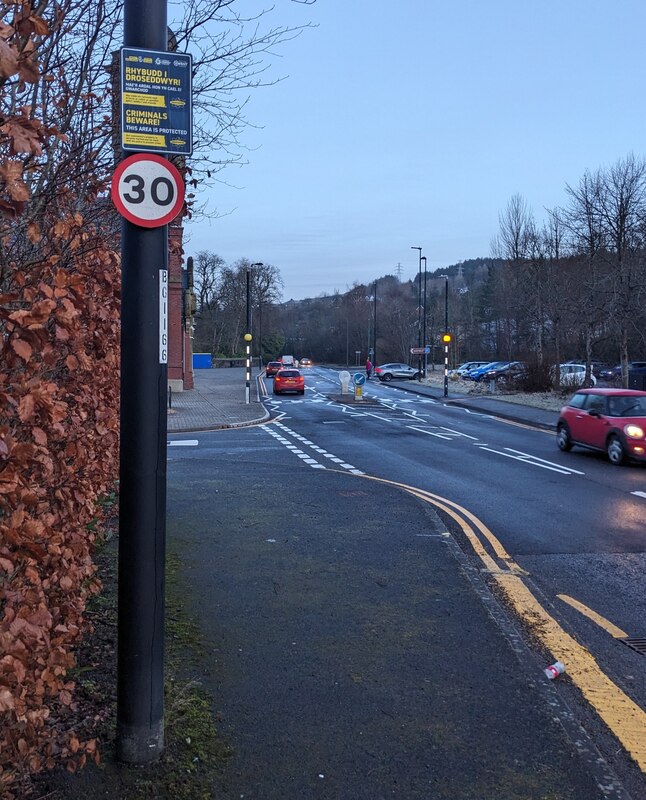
x=289 y=380
x=596 y=366
x=573 y=375
x=614 y=373
x=464 y=369
x=609 y=420
x=478 y=373
x=507 y=373
x=386 y=372
x=272 y=368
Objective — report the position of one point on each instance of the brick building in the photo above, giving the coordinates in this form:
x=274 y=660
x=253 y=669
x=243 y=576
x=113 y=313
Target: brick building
x=181 y=307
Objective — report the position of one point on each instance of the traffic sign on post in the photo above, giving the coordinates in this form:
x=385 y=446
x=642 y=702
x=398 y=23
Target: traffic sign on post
x=420 y=351
x=147 y=190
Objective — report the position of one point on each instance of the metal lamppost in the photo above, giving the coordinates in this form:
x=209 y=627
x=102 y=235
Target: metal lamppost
x=419 y=307
x=374 y=329
x=446 y=338
x=424 y=325
x=247 y=338
x=259 y=264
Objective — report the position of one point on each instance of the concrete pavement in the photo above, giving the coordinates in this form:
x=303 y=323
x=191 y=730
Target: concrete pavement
x=217 y=401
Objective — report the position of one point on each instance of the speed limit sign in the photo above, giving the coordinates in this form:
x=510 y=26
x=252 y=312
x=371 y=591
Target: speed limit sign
x=147 y=190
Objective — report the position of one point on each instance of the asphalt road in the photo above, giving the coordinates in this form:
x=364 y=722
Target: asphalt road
x=352 y=638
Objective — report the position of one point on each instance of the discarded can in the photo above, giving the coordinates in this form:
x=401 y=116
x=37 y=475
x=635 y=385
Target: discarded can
x=554 y=670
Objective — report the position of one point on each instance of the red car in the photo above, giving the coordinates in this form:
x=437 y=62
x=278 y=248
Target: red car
x=272 y=368
x=609 y=420
x=289 y=380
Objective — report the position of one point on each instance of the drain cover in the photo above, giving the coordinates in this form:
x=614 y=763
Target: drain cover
x=636 y=644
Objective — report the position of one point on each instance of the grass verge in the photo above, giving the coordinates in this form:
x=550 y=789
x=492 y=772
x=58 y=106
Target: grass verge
x=194 y=752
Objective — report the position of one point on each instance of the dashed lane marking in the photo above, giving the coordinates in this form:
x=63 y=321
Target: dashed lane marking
x=303 y=455
x=183 y=443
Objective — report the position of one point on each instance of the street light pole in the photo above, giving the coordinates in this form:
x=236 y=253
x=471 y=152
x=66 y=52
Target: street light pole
x=419 y=308
x=374 y=329
x=247 y=338
x=446 y=337
x=259 y=264
x=424 y=325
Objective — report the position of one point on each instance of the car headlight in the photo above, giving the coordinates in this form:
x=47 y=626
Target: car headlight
x=634 y=431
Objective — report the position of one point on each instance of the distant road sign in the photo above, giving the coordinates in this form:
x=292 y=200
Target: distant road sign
x=420 y=351
x=147 y=190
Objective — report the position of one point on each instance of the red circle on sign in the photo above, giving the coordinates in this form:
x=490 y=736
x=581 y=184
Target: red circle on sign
x=134 y=190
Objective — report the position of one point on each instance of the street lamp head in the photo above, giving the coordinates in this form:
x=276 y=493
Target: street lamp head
x=416 y=248
x=257 y=264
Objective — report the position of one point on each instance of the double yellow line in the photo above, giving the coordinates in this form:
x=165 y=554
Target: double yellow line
x=621 y=714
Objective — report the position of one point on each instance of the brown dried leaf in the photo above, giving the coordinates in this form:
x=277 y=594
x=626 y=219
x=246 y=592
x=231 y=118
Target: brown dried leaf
x=8 y=60
x=33 y=233
x=26 y=408
x=7 y=700
x=11 y=173
x=22 y=348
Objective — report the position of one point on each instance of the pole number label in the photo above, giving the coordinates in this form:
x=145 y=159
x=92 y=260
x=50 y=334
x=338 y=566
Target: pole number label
x=147 y=190
x=163 y=316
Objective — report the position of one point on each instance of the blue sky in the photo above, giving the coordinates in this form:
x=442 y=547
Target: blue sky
x=413 y=122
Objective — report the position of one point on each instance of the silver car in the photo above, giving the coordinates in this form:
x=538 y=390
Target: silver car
x=386 y=372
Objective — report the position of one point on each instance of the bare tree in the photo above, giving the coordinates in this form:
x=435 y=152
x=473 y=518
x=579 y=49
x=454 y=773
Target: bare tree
x=513 y=244
x=621 y=209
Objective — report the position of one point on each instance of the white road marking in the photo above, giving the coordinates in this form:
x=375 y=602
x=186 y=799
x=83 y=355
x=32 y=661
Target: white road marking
x=458 y=433
x=639 y=494
x=184 y=443
x=430 y=433
x=305 y=457
x=534 y=463
x=536 y=458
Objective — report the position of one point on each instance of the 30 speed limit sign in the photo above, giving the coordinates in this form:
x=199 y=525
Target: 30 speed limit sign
x=147 y=190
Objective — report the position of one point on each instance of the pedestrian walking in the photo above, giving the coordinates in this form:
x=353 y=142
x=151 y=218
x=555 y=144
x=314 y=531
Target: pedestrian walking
x=368 y=368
